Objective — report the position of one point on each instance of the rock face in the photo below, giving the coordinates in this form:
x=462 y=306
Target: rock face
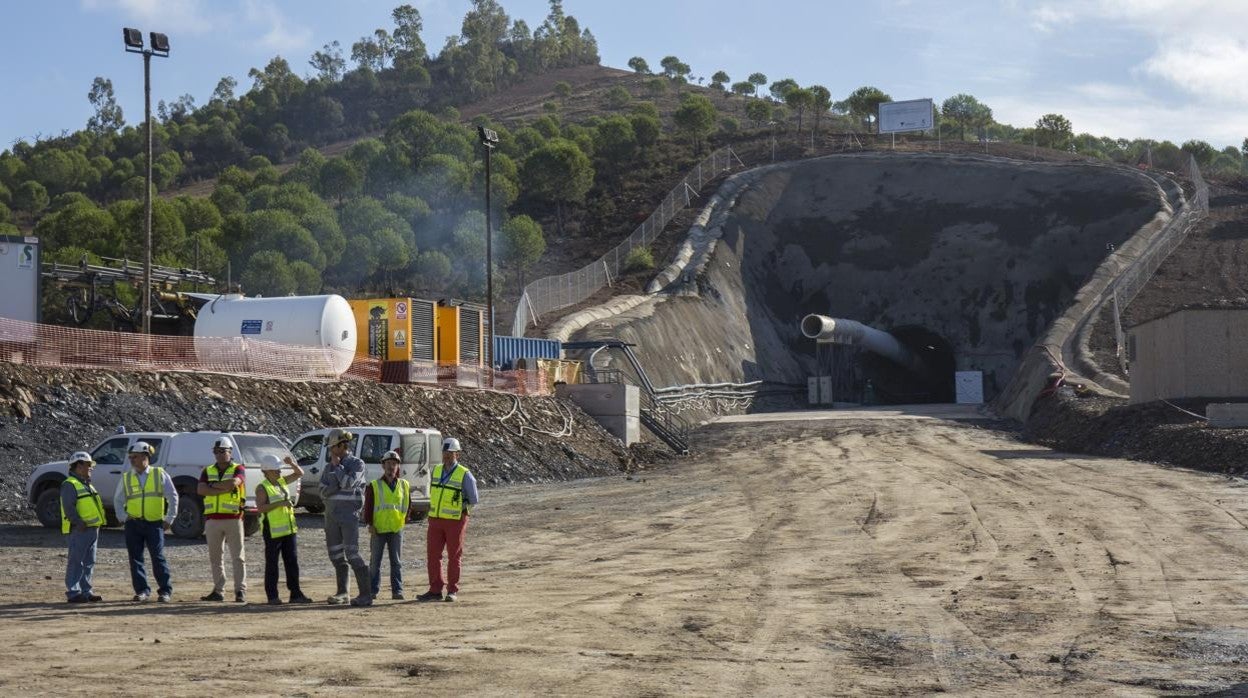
x=45 y=414
x=973 y=257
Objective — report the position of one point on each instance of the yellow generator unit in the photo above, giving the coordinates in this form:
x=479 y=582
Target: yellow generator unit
x=395 y=329
x=462 y=333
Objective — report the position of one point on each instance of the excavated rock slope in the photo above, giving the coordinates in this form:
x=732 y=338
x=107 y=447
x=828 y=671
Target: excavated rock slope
x=983 y=252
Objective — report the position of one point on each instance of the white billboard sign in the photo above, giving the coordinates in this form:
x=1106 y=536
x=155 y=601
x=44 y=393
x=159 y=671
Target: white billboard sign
x=910 y=115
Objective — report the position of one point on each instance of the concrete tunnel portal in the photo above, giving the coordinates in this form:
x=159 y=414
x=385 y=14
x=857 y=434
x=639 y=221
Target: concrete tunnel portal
x=905 y=365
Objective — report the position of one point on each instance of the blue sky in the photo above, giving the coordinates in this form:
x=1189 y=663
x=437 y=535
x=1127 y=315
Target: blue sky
x=1164 y=69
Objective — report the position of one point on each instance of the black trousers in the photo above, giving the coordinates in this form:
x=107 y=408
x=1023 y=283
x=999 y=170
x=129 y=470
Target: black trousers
x=288 y=548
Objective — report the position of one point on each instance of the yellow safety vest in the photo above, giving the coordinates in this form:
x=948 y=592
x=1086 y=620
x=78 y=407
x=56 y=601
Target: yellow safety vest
x=227 y=502
x=90 y=507
x=281 y=521
x=446 y=499
x=146 y=503
x=390 y=505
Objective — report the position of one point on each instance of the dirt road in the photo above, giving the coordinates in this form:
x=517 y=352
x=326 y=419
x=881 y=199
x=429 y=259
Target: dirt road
x=892 y=555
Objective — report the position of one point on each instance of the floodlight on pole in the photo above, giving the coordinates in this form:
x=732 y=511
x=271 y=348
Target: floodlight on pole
x=489 y=139
x=133 y=39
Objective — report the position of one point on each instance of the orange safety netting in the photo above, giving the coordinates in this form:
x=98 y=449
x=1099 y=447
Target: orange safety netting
x=66 y=347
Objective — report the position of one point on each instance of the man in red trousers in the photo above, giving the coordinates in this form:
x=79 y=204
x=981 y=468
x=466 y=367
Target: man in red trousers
x=452 y=494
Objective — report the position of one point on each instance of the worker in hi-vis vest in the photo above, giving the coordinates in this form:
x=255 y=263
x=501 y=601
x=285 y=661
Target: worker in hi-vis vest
x=146 y=503
x=275 y=502
x=221 y=486
x=452 y=494
x=387 y=509
x=82 y=515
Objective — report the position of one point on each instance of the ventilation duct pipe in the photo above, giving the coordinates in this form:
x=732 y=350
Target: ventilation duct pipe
x=826 y=330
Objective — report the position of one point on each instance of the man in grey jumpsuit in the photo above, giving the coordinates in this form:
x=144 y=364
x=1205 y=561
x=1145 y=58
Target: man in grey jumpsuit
x=342 y=490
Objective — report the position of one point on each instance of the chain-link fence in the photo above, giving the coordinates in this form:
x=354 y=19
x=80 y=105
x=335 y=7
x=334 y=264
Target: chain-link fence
x=555 y=292
x=1133 y=279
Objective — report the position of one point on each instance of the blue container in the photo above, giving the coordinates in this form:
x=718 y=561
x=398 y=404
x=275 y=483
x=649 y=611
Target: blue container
x=508 y=349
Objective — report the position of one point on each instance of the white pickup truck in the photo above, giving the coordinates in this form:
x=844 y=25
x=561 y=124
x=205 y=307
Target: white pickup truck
x=420 y=450
x=183 y=454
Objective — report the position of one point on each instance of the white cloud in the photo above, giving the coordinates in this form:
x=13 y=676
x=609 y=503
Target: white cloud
x=168 y=16
x=1210 y=67
x=280 y=34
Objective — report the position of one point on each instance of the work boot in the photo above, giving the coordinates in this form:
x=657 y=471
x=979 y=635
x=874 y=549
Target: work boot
x=213 y=596
x=275 y=601
x=364 y=582
x=300 y=599
x=163 y=597
x=95 y=598
x=240 y=597
x=450 y=598
x=77 y=599
x=362 y=600
x=338 y=599
x=430 y=596
x=141 y=597
x=396 y=595
x=341 y=575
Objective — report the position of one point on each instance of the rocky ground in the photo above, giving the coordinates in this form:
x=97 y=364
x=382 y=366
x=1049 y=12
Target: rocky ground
x=47 y=413
x=1153 y=432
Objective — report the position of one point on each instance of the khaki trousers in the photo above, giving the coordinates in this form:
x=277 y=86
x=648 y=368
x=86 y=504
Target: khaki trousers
x=222 y=533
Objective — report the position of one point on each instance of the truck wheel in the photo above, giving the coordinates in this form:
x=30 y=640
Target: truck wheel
x=318 y=508
x=48 y=507
x=190 y=520
x=251 y=524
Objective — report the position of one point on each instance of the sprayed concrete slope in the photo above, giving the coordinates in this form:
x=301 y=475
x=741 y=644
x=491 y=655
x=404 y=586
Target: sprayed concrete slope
x=984 y=253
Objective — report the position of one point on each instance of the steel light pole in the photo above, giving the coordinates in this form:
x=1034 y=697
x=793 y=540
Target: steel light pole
x=489 y=139
x=160 y=47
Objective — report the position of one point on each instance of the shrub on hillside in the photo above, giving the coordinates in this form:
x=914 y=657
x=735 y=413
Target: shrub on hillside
x=639 y=259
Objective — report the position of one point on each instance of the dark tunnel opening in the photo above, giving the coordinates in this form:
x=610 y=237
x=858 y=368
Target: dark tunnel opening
x=892 y=384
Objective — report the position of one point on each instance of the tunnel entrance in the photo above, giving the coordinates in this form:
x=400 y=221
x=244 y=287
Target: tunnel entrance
x=850 y=369
x=895 y=385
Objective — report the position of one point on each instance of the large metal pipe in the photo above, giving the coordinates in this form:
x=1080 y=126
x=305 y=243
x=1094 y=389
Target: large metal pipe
x=824 y=329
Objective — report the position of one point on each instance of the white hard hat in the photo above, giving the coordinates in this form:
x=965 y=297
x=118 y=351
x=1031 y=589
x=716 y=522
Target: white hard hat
x=270 y=462
x=141 y=447
x=80 y=457
x=451 y=445
x=223 y=442
x=391 y=455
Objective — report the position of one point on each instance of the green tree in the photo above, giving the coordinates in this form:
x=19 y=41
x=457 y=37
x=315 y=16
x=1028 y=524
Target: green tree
x=758 y=111
x=743 y=89
x=618 y=97
x=393 y=252
x=615 y=141
x=559 y=173
x=781 y=88
x=307 y=278
x=1054 y=131
x=84 y=225
x=340 y=179
x=822 y=103
x=523 y=244
x=563 y=90
x=433 y=269
x=1202 y=151
x=863 y=104
x=646 y=128
x=756 y=80
x=964 y=110
x=674 y=68
x=108 y=118
x=31 y=197
x=696 y=117
x=328 y=62
x=719 y=80
x=269 y=274
x=799 y=100
x=639 y=65
x=407 y=27
x=228 y=200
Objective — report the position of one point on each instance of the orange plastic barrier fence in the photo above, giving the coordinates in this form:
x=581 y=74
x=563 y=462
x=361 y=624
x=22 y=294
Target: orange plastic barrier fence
x=68 y=347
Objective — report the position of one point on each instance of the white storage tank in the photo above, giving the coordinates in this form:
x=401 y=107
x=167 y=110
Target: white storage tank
x=313 y=321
